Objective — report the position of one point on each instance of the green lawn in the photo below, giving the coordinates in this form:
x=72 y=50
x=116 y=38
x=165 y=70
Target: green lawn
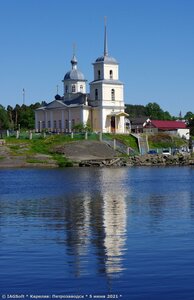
x=126 y=139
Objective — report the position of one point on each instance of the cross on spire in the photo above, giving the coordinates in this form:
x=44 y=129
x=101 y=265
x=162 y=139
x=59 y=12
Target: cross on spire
x=74 y=59
x=74 y=48
x=105 y=39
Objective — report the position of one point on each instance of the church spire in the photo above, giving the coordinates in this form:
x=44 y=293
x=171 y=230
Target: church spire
x=105 y=39
x=74 y=59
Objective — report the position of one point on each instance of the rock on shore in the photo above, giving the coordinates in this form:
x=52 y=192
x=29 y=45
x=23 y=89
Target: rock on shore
x=144 y=160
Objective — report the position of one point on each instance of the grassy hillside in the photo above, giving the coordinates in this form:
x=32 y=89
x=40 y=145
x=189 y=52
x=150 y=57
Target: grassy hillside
x=126 y=139
x=43 y=150
x=163 y=140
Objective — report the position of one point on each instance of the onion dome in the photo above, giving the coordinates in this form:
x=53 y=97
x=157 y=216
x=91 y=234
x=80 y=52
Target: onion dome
x=74 y=74
x=58 y=97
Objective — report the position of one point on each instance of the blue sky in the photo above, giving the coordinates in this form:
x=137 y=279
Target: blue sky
x=153 y=40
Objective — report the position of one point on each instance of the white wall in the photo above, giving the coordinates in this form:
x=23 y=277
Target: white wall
x=104 y=93
x=184 y=133
x=114 y=69
x=107 y=92
x=77 y=84
x=86 y=116
x=105 y=71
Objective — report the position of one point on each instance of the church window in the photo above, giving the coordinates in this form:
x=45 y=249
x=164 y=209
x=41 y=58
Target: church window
x=111 y=74
x=66 y=89
x=81 y=88
x=98 y=74
x=73 y=88
x=96 y=94
x=112 y=94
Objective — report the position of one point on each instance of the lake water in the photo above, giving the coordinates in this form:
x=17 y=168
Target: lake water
x=117 y=233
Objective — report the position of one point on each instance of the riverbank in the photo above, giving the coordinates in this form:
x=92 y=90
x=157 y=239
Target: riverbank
x=50 y=155
x=144 y=160
x=81 y=154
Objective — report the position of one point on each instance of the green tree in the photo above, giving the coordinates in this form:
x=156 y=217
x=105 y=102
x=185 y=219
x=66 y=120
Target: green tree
x=16 y=113
x=189 y=115
x=80 y=127
x=135 y=111
x=10 y=115
x=167 y=116
x=154 y=111
x=26 y=117
x=4 y=121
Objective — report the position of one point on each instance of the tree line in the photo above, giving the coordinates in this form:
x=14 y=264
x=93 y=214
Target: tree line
x=18 y=117
x=24 y=116
x=151 y=110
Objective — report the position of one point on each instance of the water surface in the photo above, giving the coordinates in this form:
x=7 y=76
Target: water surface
x=122 y=231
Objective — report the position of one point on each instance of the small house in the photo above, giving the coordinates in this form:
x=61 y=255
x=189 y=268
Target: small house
x=171 y=127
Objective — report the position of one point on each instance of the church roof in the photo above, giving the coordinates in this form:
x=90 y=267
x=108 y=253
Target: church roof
x=77 y=99
x=168 y=125
x=106 y=59
x=108 y=81
x=118 y=113
x=74 y=73
x=74 y=100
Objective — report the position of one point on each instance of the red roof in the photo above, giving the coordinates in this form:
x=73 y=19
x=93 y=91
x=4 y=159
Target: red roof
x=168 y=125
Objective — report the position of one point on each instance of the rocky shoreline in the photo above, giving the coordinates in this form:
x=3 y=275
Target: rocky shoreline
x=144 y=160
x=83 y=154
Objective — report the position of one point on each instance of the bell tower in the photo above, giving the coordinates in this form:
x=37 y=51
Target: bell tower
x=106 y=90
x=106 y=87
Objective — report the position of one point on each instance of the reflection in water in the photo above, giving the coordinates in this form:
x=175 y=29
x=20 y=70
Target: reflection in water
x=77 y=231
x=66 y=230
x=98 y=219
x=114 y=220
x=89 y=222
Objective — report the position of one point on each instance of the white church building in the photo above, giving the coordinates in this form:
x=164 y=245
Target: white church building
x=103 y=108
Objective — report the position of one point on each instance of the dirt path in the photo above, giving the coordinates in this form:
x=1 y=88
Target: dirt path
x=75 y=151
x=87 y=150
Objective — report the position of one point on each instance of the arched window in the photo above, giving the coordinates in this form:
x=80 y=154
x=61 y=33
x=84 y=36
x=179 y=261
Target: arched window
x=81 y=88
x=112 y=94
x=98 y=74
x=111 y=74
x=96 y=94
x=73 y=88
x=66 y=89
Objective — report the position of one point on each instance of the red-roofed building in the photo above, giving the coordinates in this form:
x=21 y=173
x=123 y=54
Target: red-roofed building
x=171 y=127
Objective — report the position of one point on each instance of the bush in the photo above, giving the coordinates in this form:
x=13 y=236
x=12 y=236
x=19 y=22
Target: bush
x=62 y=161
x=164 y=140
